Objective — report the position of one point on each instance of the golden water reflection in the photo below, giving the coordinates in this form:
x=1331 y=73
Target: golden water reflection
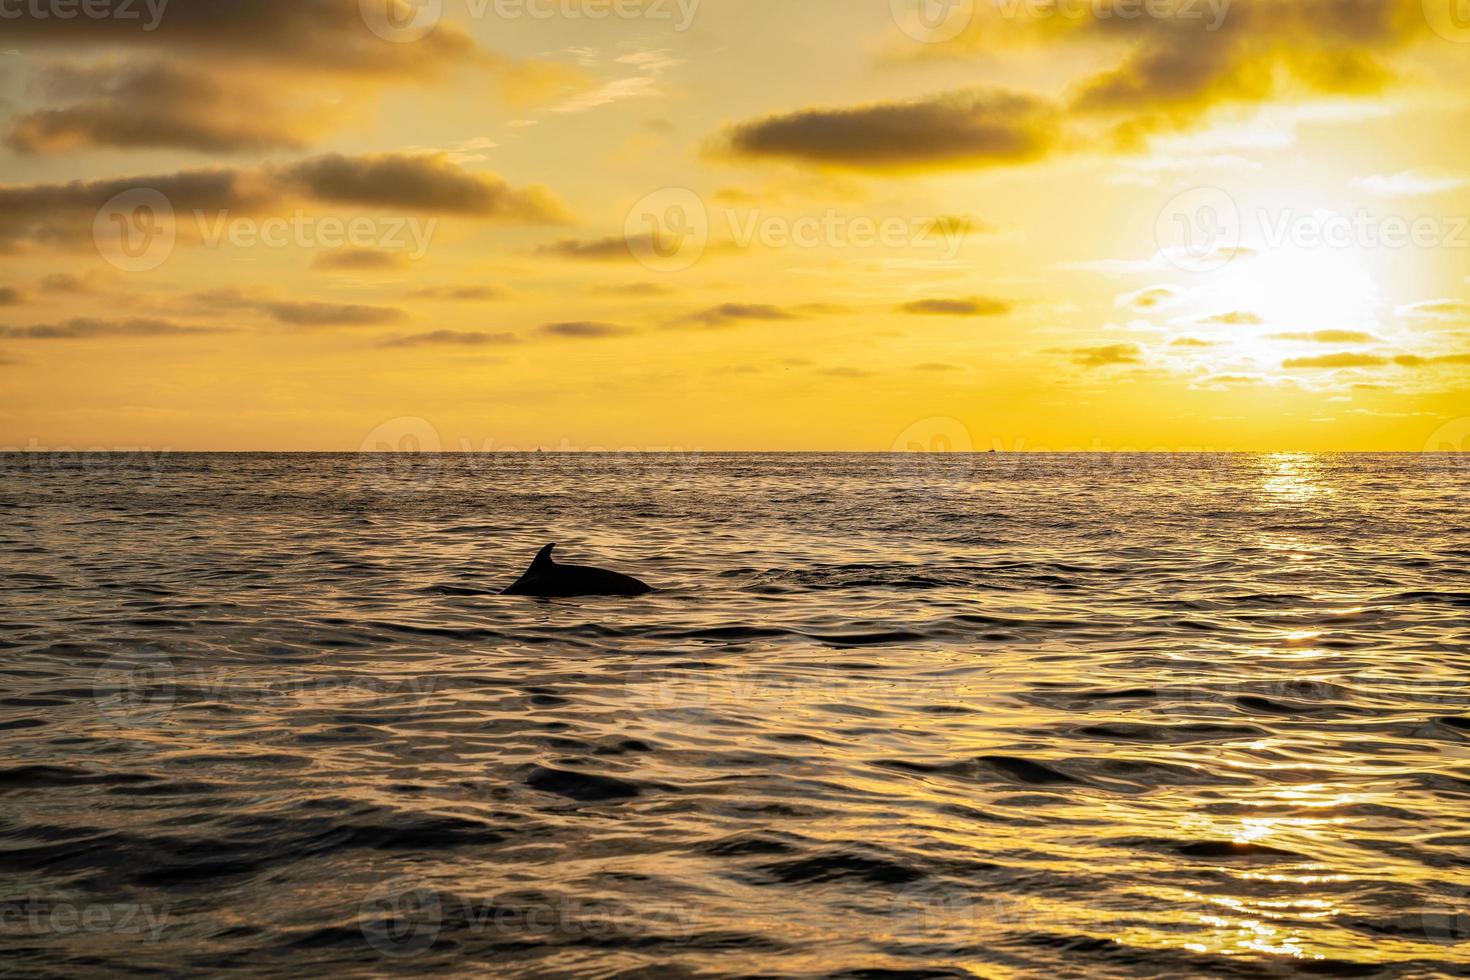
x=1294 y=478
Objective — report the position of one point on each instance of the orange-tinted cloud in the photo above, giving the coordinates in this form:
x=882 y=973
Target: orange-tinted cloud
x=133 y=106
x=463 y=294
x=452 y=338
x=360 y=260
x=306 y=35
x=584 y=330
x=728 y=313
x=394 y=182
x=1345 y=359
x=85 y=328
x=964 y=306
x=969 y=128
x=1328 y=337
x=1105 y=355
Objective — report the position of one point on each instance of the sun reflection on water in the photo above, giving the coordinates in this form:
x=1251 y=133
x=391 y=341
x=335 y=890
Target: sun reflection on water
x=1294 y=478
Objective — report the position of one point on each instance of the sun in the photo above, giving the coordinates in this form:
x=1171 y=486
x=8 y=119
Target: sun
x=1295 y=288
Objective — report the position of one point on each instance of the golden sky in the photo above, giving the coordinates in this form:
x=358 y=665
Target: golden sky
x=735 y=224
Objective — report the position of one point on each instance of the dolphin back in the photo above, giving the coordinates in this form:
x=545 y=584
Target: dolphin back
x=546 y=578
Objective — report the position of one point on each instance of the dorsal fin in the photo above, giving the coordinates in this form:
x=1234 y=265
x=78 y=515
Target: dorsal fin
x=543 y=558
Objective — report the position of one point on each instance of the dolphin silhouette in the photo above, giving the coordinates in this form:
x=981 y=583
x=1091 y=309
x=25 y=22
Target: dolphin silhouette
x=548 y=579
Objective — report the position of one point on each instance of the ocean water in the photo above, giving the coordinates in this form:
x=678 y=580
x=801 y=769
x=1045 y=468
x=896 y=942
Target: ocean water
x=996 y=715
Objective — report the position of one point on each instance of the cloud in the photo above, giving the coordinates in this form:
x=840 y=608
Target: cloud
x=1232 y=380
x=1415 y=360
x=1327 y=337
x=1172 y=65
x=317 y=314
x=967 y=128
x=300 y=313
x=965 y=306
x=1436 y=309
x=1103 y=356
x=305 y=35
x=585 y=330
x=359 y=259
x=1235 y=318
x=1345 y=359
x=452 y=338
x=532 y=83
x=956 y=225
x=158 y=105
x=1149 y=298
x=1411 y=183
x=424 y=184
x=244 y=75
x=650 y=66
x=632 y=289
x=64 y=282
x=1191 y=342
x=612 y=249
x=10 y=296
x=462 y=294
x=64 y=213
x=728 y=313
x=1177 y=68
x=85 y=328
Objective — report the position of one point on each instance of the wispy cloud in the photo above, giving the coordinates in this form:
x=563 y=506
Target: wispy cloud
x=452 y=338
x=585 y=330
x=84 y=328
x=728 y=313
x=960 y=306
x=1412 y=183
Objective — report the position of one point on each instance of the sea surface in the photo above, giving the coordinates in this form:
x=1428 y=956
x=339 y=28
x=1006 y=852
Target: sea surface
x=999 y=715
